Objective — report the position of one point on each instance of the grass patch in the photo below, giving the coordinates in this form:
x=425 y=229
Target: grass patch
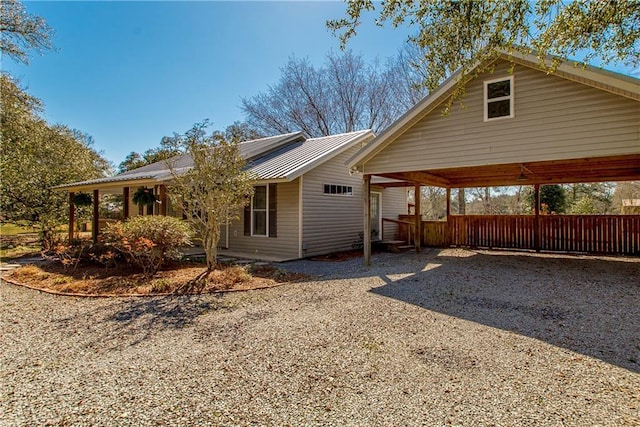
x=93 y=279
x=20 y=251
x=12 y=229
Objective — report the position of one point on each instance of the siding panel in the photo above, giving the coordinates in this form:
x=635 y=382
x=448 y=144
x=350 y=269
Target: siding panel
x=331 y=223
x=394 y=203
x=554 y=119
x=284 y=246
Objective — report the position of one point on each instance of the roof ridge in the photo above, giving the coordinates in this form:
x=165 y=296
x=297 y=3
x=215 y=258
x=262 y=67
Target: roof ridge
x=340 y=134
x=273 y=136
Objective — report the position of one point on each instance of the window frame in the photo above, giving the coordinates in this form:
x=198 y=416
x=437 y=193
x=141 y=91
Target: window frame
x=344 y=190
x=266 y=210
x=510 y=98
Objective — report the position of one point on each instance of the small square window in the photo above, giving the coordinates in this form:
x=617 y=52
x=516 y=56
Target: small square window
x=498 y=99
x=338 y=190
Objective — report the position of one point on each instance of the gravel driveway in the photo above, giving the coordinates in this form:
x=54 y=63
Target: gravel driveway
x=451 y=337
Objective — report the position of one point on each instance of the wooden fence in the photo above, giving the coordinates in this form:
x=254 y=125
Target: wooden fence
x=596 y=234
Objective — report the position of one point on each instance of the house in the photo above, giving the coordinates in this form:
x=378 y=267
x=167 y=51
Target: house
x=519 y=125
x=306 y=202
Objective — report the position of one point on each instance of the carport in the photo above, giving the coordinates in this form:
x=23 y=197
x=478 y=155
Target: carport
x=519 y=125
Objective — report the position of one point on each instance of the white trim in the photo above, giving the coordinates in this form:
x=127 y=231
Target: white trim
x=510 y=98
x=266 y=211
x=300 y=216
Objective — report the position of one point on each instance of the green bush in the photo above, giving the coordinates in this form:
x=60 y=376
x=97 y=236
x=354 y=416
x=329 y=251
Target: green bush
x=149 y=241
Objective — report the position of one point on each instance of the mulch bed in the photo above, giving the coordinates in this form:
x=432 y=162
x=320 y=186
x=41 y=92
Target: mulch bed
x=96 y=280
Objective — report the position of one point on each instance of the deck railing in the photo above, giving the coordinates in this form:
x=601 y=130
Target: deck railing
x=596 y=234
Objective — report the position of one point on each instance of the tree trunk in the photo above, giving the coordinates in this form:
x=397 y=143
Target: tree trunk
x=210 y=240
x=461 y=202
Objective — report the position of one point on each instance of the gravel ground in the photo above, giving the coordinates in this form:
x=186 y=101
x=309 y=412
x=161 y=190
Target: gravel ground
x=451 y=337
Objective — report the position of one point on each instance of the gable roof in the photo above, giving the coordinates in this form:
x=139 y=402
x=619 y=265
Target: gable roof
x=619 y=84
x=277 y=158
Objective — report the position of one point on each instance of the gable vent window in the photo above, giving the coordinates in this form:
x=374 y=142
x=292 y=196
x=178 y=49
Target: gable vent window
x=338 y=190
x=498 y=99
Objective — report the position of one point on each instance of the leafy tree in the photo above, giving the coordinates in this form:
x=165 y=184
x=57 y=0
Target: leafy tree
x=35 y=157
x=456 y=34
x=214 y=190
x=590 y=198
x=553 y=198
x=343 y=95
x=20 y=31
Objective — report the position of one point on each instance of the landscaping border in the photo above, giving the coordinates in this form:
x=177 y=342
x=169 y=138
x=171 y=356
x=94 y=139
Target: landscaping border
x=163 y=294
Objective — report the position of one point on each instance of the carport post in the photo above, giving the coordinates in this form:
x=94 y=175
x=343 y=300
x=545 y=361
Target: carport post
x=417 y=195
x=125 y=202
x=366 y=237
x=536 y=224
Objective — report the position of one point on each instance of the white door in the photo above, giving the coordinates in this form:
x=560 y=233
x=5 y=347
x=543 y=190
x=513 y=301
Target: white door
x=376 y=216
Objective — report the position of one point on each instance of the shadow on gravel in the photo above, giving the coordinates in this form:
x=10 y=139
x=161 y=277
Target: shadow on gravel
x=132 y=321
x=587 y=305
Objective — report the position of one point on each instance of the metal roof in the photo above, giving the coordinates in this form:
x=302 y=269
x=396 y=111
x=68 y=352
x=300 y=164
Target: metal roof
x=294 y=160
x=280 y=157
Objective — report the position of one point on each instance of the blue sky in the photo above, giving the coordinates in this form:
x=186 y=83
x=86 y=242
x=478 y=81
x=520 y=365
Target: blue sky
x=129 y=73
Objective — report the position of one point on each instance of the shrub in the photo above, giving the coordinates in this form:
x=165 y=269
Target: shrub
x=149 y=241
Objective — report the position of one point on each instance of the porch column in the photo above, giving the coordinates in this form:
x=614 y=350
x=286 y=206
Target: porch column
x=366 y=237
x=96 y=216
x=125 y=202
x=154 y=207
x=536 y=224
x=418 y=216
x=72 y=214
x=163 y=200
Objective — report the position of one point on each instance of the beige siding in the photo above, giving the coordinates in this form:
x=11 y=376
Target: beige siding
x=394 y=203
x=331 y=222
x=285 y=246
x=554 y=119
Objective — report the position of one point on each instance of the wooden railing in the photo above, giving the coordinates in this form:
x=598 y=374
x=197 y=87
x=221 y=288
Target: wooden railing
x=492 y=231
x=406 y=229
x=598 y=234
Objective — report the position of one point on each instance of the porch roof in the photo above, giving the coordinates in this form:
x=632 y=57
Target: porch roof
x=615 y=168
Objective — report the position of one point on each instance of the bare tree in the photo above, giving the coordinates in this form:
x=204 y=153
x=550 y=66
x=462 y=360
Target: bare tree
x=20 y=31
x=343 y=95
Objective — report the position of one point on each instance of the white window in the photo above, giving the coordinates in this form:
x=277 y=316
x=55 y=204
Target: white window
x=498 y=99
x=259 y=211
x=339 y=190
